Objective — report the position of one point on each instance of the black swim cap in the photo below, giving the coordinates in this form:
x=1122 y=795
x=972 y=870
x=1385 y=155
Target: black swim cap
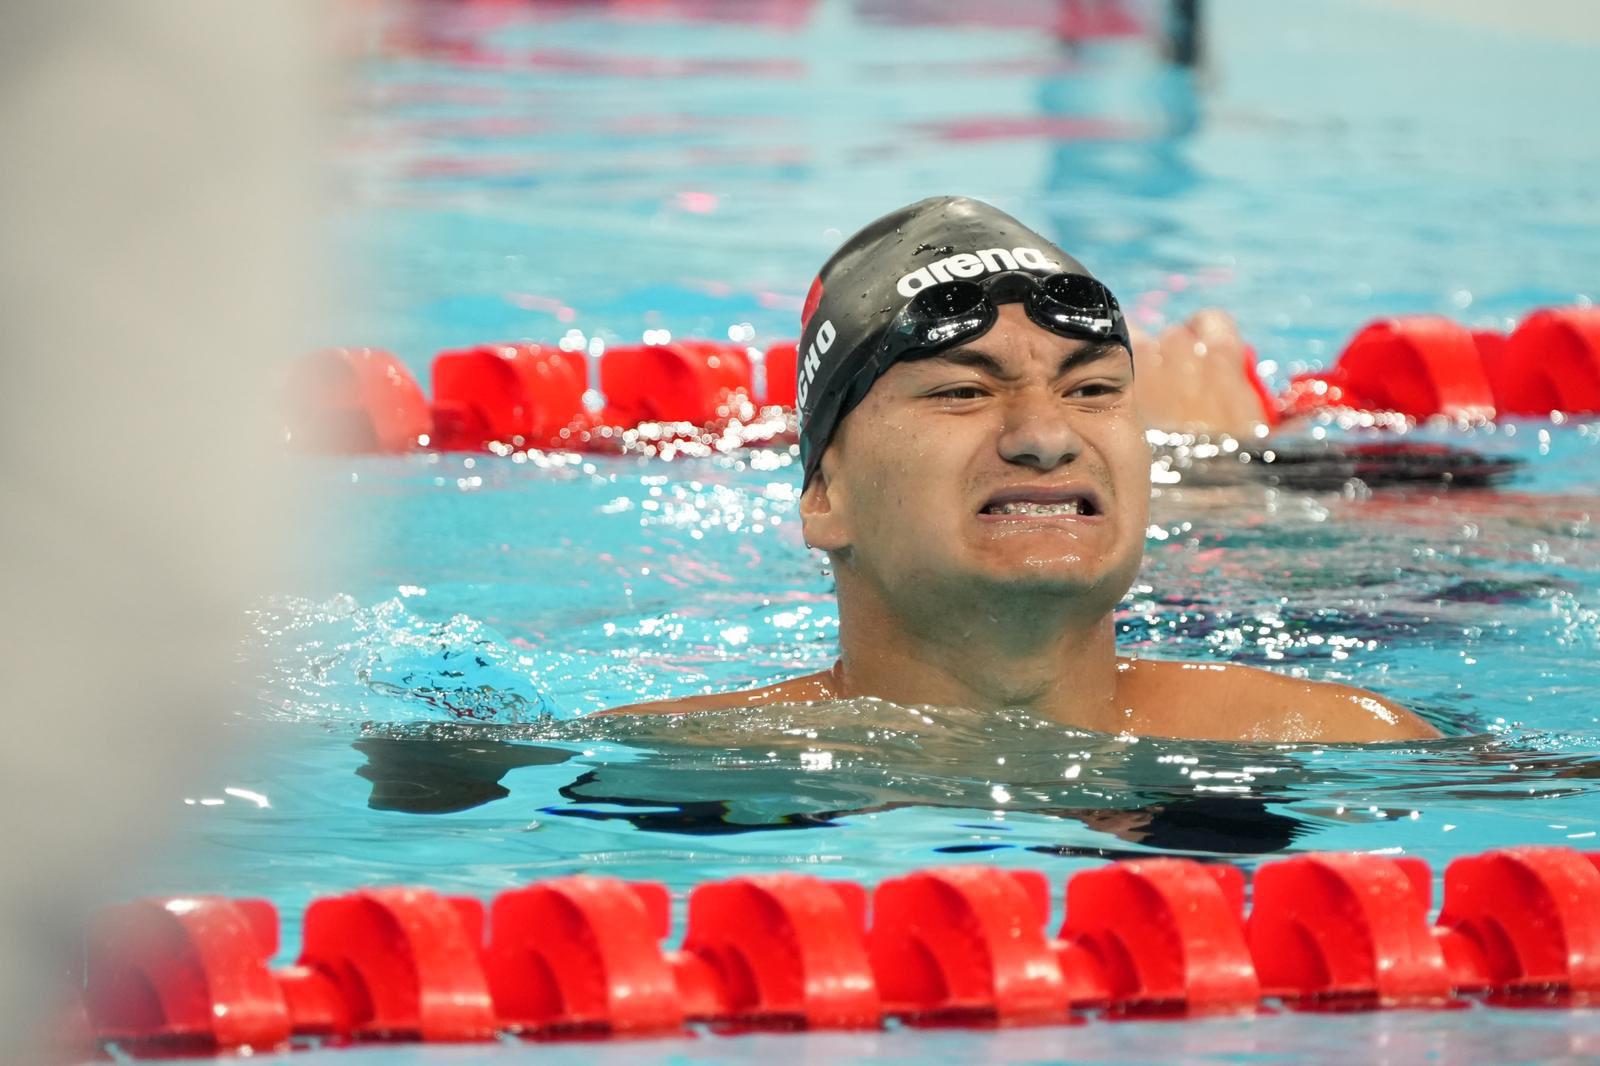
x=870 y=307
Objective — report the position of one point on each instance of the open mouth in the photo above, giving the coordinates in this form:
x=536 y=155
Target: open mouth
x=1052 y=503
x=1041 y=510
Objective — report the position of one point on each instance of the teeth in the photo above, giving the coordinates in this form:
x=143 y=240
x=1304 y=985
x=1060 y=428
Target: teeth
x=1028 y=508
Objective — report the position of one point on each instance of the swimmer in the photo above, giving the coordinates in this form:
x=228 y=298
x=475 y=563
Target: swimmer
x=977 y=472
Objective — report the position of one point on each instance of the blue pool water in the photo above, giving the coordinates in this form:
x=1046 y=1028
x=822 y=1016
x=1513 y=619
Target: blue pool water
x=511 y=170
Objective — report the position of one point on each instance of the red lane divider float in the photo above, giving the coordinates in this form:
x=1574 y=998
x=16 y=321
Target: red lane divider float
x=788 y=951
x=523 y=395
x=406 y=962
x=191 y=974
x=783 y=374
x=1350 y=929
x=1527 y=921
x=968 y=943
x=704 y=394
x=1550 y=363
x=584 y=956
x=1417 y=366
x=1169 y=935
x=359 y=400
x=1426 y=365
x=691 y=381
x=507 y=397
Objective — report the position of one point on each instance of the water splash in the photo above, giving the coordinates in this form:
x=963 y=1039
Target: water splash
x=336 y=660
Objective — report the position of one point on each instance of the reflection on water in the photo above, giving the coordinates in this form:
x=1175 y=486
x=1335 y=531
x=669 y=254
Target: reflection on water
x=435 y=775
x=498 y=615
x=822 y=765
x=812 y=766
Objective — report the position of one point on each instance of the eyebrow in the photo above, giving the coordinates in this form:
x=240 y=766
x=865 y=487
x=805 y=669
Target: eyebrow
x=988 y=364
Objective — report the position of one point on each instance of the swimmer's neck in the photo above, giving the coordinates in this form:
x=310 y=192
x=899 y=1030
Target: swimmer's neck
x=1064 y=669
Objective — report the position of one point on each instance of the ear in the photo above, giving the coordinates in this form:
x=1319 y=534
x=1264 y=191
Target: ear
x=822 y=521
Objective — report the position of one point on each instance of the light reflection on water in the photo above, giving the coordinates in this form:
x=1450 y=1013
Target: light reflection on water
x=572 y=171
x=429 y=725
x=451 y=716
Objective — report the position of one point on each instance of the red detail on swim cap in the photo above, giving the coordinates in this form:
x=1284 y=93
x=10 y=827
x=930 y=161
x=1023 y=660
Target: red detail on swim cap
x=813 y=298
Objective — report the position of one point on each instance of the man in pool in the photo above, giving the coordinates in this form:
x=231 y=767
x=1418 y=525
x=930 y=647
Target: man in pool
x=977 y=471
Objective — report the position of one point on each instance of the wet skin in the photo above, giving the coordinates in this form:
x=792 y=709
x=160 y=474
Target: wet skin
x=985 y=511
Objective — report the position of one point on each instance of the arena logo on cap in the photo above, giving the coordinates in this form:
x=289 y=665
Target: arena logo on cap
x=973 y=264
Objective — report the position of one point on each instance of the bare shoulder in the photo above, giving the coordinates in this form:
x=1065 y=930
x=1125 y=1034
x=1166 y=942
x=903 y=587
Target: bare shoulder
x=1244 y=703
x=806 y=689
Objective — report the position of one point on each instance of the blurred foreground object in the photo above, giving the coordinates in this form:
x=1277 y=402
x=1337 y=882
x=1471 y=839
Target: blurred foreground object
x=155 y=202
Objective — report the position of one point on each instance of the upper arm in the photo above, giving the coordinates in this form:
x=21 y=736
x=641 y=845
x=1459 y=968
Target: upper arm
x=804 y=689
x=1231 y=701
x=1354 y=714
x=1294 y=710
x=686 y=705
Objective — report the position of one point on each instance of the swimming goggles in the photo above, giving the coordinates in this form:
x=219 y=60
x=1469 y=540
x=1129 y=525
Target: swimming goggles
x=1070 y=305
x=941 y=316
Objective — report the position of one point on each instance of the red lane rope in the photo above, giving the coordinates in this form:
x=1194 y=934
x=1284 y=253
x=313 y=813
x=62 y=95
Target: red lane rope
x=584 y=956
x=706 y=395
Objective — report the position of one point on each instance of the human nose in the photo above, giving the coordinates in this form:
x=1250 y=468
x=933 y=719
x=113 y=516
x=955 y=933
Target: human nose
x=1038 y=431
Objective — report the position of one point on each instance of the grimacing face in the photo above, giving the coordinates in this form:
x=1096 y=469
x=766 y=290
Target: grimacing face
x=1016 y=460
